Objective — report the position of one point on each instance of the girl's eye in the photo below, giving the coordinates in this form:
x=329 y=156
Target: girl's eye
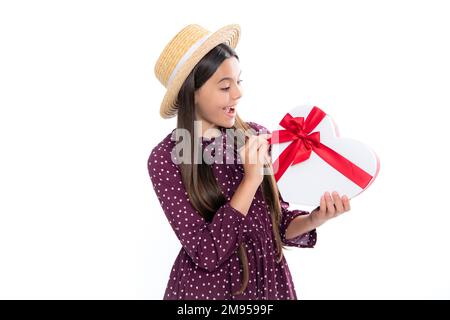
x=226 y=89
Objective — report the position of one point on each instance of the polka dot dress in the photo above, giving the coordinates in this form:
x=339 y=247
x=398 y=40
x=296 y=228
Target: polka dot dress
x=207 y=266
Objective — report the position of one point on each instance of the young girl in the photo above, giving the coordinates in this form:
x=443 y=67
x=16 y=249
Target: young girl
x=227 y=213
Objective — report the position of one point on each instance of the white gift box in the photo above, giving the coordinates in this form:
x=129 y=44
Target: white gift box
x=309 y=158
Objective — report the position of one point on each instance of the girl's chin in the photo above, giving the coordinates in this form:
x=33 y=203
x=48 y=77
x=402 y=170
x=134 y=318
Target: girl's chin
x=229 y=122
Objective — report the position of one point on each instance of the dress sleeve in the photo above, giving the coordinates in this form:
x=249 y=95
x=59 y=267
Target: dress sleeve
x=208 y=244
x=306 y=240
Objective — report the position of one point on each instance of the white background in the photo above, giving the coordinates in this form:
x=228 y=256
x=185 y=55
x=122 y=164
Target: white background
x=79 y=116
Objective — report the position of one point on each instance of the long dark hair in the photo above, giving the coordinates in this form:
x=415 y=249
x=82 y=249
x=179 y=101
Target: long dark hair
x=201 y=186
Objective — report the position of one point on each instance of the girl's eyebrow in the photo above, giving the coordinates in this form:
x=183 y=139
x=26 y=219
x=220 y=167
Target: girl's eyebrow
x=228 y=78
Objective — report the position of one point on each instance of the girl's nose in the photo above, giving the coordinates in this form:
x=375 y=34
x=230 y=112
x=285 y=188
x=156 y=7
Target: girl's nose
x=237 y=93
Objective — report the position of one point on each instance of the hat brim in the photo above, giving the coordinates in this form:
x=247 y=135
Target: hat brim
x=228 y=34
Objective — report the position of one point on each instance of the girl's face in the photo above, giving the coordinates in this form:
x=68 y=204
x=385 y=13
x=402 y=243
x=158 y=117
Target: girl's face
x=220 y=92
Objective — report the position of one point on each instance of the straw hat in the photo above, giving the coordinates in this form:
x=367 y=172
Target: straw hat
x=181 y=55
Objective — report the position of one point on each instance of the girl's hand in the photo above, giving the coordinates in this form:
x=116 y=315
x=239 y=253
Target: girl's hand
x=329 y=208
x=254 y=155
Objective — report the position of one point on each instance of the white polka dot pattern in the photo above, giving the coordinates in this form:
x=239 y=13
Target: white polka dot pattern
x=207 y=266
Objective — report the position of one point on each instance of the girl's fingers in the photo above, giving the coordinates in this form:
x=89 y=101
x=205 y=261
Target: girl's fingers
x=338 y=203
x=267 y=159
x=255 y=141
x=330 y=205
x=252 y=142
x=261 y=142
x=346 y=202
x=262 y=153
x=252 y=150
x=323 y=204
x=265 y=136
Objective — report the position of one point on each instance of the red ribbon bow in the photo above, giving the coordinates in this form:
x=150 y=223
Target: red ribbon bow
x=298 y=130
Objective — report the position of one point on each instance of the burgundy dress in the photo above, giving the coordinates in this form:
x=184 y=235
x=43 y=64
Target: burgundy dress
x=207 y=266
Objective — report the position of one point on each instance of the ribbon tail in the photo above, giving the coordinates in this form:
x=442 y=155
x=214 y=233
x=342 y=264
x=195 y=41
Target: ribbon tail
x=285 y=160
x=343 y=165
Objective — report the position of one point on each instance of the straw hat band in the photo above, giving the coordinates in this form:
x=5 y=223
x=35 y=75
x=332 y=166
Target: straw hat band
x=186 y=56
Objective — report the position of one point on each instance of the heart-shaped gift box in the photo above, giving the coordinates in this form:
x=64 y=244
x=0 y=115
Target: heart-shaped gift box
x=309 y=158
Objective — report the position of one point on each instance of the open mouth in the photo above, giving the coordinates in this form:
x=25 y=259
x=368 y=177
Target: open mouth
x=230 y=110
